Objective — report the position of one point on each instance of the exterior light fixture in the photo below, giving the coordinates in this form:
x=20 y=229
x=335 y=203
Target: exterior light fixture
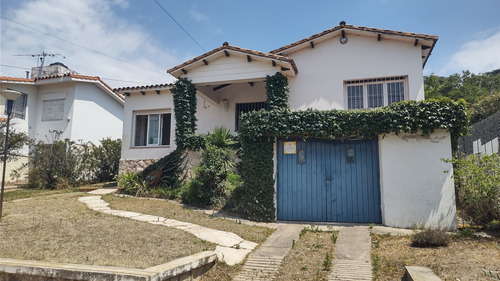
x=225 y=103
x=343 y=39
x=10 y=96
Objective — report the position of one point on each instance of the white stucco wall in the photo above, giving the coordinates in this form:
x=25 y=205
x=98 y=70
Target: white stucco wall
x=50 y=92
x=211 y=115
x=324 y=68
x=415 y=190
x=149 y=103
x=96 y=115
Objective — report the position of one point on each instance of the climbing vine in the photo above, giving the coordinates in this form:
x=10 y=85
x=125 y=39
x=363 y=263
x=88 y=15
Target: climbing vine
x=184 y=94
x=277 y=91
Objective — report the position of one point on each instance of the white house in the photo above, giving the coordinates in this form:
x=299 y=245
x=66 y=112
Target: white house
x=397 y=180
x=83 y=108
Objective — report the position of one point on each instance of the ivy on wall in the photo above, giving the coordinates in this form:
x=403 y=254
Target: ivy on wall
x=184 y=94
x=421 y=117
x=277 y=91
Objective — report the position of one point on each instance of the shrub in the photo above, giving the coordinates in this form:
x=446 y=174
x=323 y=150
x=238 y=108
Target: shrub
x=430 y=238
x=210 y=185
x=59 y=164
x=132 y=184
x=165 y=177
x=66 y=163
x=477 y=180
x=105 y=159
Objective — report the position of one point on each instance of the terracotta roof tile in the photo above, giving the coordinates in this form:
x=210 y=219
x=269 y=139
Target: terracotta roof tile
x=77 y=76
x=226 y=46
x=146 y=87
x=359 y=28
x=5 y=78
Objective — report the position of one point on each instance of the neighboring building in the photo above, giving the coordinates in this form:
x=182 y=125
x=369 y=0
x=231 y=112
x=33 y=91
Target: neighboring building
x=81 y=107
x=483 y=138
x=396 y=180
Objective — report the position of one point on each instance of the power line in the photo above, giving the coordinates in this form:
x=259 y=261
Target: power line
x=185 y=31
x=81 y=46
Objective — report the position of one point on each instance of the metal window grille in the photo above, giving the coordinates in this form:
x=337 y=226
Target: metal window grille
x=242 y=108
x=395 y=92
x=355 y=97
x=375 y=95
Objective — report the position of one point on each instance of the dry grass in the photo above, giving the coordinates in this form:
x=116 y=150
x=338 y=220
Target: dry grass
x=222 y=272
x=463 y=259
x=30 y=193
x=305 y=260
x=170 y=210
x=62 y=229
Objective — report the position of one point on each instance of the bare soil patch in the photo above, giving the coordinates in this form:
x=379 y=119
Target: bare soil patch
x=305 y=261
x=62 y=229
x=463 y=259
x=164 y=208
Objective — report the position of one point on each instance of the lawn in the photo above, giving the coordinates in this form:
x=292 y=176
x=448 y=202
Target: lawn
x=167 y=209
x=59 y=228
x=463 y=259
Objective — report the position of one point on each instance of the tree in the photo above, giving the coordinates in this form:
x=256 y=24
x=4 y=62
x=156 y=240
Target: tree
x=17 y=141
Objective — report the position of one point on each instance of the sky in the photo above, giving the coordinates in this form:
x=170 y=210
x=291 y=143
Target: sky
x=134 y=42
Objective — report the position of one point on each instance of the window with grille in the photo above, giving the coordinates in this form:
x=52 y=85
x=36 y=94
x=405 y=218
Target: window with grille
x=152 y=129
x=377 y=92
x=242 y=108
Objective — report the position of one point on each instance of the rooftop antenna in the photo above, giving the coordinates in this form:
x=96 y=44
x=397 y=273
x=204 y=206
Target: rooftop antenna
x=41 y=57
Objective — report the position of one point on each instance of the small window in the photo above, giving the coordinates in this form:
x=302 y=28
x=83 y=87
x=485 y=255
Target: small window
x=152 y=129
x=19 y=107
x=247 y=107
x=376 y=92
x=53 y=110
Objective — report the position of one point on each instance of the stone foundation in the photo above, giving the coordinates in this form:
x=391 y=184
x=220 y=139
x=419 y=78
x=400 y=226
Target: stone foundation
x=134 y=165
x=193 y=159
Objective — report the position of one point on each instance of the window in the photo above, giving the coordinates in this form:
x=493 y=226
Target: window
x=53 y=110
x=372 y=93
x=19 y=107
x=246 y=107
x=152 y=129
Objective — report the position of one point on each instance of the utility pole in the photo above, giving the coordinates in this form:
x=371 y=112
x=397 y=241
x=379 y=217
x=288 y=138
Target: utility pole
x=42 y=59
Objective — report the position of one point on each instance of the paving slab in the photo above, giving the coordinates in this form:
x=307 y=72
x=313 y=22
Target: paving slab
x=264 y=263
x=231 y=256
x=103 y=191
x=352 y=255
x=419 y=273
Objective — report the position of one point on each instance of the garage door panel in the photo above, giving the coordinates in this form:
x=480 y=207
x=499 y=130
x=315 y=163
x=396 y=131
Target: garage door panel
x=329 y=184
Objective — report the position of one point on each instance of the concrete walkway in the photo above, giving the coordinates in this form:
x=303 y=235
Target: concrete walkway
x=264 y=263
x=352 y=255
x=231 y=248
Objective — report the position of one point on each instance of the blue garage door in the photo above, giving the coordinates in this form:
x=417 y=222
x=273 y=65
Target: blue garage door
x=328 y=181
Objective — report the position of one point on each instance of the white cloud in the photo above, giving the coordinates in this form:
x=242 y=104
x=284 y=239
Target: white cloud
x=122 y=3
x=197 y=16
x=480 y=55
x=89 y=23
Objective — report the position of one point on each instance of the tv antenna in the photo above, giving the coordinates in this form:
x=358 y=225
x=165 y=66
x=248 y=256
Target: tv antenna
x=41 y=58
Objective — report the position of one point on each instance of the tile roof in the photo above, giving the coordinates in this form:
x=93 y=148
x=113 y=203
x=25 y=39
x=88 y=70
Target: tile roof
x=15 y=79
x=146 y=87
x=358 y=28
x=77 y=76
x=226 y=46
